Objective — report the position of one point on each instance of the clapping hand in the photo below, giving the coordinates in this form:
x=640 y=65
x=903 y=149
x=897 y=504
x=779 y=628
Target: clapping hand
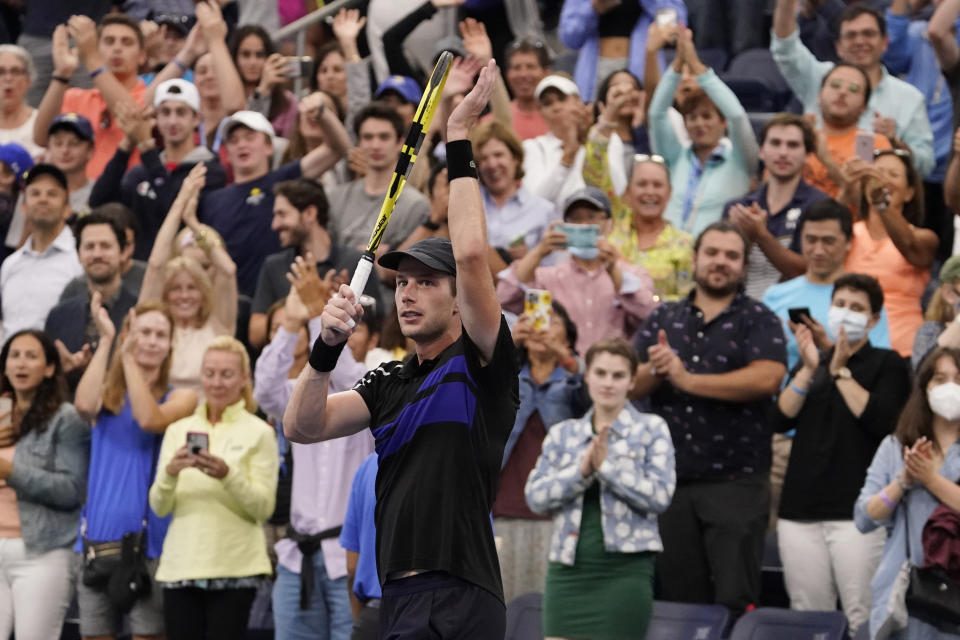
x=465 y=115
x=65 y=58
x=667 y=363
x=751 y=220
x=920 y=463
x=806 y=345
x=101 y=318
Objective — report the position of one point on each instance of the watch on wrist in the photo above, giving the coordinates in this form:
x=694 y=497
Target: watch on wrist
x=843 y=373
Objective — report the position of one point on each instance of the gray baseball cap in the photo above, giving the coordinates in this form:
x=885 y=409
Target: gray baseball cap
x=590 y=195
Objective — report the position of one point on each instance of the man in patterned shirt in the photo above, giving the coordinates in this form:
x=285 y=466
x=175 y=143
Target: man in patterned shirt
x=714 y=359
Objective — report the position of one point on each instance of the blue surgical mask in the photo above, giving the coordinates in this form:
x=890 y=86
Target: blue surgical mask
x=584 y=253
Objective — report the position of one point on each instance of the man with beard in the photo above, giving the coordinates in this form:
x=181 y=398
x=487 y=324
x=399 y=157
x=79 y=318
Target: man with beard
x=769 y=217
x=712 y=362
x=300 y=218
x=32 y=278
x=894 y=108
x=844 y=95
x=101 y=240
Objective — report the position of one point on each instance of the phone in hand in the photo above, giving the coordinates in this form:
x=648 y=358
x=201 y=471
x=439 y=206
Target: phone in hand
x=197 y=442
x=6 y=409
x=298 y=67
x=798 y=313
x=580 y=236
x=667 y=17
x=537 y=303
x=863 y=146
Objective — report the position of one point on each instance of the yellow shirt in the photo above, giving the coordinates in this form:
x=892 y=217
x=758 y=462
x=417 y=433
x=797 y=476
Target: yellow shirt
x=216 y=528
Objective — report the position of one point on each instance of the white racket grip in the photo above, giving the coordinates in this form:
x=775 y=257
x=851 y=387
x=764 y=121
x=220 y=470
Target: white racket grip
x=359 y=281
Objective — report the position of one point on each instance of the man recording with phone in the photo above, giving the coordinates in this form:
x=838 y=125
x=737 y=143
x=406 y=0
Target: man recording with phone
x=440 y=418
x=604 y=294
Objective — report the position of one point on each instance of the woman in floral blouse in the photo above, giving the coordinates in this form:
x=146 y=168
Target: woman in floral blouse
x=640 y=231
x=603 y=478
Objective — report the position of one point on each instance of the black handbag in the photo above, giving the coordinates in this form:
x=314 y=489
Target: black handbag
x=932 y=596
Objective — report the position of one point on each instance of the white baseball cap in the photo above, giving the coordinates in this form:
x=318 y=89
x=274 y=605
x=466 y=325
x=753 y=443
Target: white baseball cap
x=179 y=90
x=249 y=119
x=564 y=85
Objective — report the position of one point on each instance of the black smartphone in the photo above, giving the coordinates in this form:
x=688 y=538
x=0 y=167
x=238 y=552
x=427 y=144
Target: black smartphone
x=197 y=441
x=797 y=314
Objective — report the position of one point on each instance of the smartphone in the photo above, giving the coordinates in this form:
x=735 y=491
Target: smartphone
x=863 y=148
x=6 y=404
x=197 y=442
x=300 y=67
x=797 y=314
x=537 y=304
x=667 y=17
x=580 y=236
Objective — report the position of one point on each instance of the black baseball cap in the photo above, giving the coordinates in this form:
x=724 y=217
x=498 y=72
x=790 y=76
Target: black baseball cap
x=45 y=169
x=435 y=253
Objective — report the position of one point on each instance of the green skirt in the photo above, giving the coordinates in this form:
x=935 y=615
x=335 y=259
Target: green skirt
x=603 y=596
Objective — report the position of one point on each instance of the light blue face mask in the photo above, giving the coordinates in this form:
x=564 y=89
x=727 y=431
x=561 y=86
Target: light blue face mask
x=584 y=253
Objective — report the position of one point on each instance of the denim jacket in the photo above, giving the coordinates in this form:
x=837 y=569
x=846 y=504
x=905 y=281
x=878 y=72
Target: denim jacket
x=50 y=478
x=557 y=399
x=637 y=480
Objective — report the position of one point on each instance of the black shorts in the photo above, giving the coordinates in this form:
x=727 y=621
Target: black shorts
x=436 y=605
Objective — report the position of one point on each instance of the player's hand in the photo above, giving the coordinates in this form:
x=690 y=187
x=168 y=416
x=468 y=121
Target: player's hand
x=340 y=316
x=465 y=116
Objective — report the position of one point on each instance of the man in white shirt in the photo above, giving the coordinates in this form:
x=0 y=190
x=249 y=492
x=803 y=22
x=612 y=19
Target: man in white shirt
x=32 y=278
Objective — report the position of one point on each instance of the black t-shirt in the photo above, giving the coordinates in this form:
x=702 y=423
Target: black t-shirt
x=440 y=428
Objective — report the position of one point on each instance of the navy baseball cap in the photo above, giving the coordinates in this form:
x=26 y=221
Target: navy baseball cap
x=72 y=122
x=435 y=253
x=17 y=158
x=590 y=195
x=45 y=169
x=405 y=86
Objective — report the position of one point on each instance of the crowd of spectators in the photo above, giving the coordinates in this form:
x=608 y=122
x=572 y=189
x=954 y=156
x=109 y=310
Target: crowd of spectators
x=722 y=234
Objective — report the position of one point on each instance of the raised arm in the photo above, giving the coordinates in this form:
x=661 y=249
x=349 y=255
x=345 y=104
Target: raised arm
x=476 y=295
x=785 y=18
x=194 y=47
x=916 y=244
x=152 y=287
x=89 y=396
x=214 y=30
x=941 y=35
x=337 y=141
x=84 y=33
x=65 y=63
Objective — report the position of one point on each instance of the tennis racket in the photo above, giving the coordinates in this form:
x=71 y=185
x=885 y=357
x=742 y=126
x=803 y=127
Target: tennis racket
x=408 y=155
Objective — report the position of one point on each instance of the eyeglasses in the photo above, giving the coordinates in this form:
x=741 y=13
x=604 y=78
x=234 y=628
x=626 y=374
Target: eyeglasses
x=903 y=154
x=640 y=158
x=526 y=43
x=13 y=72
x=852 y=87
x=853 y=35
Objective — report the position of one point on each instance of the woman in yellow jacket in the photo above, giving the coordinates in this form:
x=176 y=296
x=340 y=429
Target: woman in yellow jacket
x=217 y=474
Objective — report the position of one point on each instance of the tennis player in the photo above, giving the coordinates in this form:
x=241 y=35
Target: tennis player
x=440 y=418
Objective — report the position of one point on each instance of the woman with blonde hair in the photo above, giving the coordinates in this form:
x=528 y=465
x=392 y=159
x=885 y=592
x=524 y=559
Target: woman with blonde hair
x=186 y=287
x=217 y=475
x=129 y=404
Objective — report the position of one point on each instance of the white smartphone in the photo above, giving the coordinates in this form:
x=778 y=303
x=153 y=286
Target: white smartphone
x=863 y=146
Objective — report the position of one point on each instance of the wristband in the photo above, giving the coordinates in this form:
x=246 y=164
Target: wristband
x=431 y=225
x=323 y=357
x=184 y=68
x=460 y=163
x=797 y=390
x=96 y=72
x=886 y=499
x=60 y=79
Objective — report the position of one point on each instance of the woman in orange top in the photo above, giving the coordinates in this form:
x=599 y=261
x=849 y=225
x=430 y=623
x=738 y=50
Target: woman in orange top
x=888 y=242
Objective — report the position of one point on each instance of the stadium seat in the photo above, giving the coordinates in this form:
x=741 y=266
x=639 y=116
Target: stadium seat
x=755 y=95
x=773 y=591
x=758 y=66
x=680 y=621
x=785 y=624
x=525 y=617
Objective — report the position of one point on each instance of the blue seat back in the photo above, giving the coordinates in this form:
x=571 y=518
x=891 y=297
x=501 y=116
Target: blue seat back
x=785 y=624
x=525 y=617
x=680 y=621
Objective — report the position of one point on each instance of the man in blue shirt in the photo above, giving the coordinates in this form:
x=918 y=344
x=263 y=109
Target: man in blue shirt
x=359 y=538
x=770 y=216
x=896 y=109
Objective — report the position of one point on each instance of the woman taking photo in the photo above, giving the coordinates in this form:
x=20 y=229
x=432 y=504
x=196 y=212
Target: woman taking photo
x=181 y=283
x=888 y=241
x=44 y=452
x=603 y=478
x=130 y=404
x=264 y=75
x=913 y=472
x=217 y=475
x=706 y=172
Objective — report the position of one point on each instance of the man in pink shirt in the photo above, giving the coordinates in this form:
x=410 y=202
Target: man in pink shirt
x=604 y=295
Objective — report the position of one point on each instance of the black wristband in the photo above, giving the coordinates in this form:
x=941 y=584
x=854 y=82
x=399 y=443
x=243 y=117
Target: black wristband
x=431 y=225
x=460 y=163
x=323 y=357
x=61 y=79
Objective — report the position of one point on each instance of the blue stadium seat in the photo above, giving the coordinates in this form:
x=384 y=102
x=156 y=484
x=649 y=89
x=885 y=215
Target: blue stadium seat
x=785 y=624
x=758 y=66
x=525 y=617
x=680 y=621
x=755 y=95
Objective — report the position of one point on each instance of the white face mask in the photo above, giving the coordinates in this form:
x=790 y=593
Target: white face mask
x=854 y=323
x=584 y=253
x=944 y=400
